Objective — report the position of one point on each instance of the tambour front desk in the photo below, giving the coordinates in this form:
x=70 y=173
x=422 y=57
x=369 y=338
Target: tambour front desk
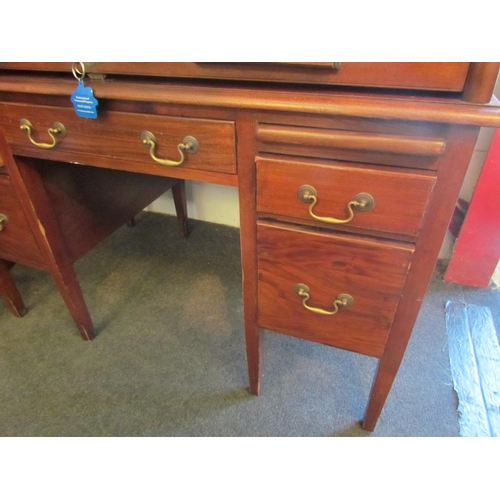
x=347 y=173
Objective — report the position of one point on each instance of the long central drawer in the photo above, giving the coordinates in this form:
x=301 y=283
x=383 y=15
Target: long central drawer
x=372 y=272
x=118 y=136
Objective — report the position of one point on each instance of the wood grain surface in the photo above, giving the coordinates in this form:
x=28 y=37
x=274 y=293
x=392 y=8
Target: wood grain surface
x=371 y=271
x=400 y=196
x=448 y=76
x=17 y=242
x=117 y=136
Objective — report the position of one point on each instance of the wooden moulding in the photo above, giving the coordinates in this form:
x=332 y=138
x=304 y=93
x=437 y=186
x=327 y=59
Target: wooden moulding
x=350 y=140
x=327 y=102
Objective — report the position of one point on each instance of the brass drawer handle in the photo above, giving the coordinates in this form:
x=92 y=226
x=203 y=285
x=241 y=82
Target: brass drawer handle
x=3 y=220
x=57 y=130
x=362 y=202
x=343 y=299
x=189 y=144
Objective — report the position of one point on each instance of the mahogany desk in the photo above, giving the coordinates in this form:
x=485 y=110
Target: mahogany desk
x=348 y=175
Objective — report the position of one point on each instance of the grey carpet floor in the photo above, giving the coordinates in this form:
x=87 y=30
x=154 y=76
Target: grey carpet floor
x=169 y=358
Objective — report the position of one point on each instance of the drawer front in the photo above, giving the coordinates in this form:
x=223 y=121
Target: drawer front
x=400 y=198
x=448 y=76
x=117 y=135
x=371 y=272
x=17 y=242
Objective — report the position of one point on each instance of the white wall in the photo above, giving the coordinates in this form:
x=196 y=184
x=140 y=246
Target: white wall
x=207 y=202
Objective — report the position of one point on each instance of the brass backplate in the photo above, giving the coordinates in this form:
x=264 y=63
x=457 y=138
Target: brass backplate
x=305 y=192
x=366 y=202
x=192 y=145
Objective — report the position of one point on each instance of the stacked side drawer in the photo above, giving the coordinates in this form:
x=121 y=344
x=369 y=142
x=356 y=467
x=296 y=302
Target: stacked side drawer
x=17 y=242
x=335 y=241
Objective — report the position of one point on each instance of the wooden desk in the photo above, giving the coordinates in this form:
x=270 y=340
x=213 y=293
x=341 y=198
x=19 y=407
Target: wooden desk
x=347 y=174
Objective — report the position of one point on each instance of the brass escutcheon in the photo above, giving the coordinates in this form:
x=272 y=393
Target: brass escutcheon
x=365 y=202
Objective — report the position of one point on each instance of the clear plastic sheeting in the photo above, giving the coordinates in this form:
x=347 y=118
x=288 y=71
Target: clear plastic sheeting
x=475 y=367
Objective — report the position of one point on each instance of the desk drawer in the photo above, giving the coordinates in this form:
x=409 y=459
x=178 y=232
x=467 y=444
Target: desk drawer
x=370 y=271
x=117 y=135
x=17 y=242
x=400 y=197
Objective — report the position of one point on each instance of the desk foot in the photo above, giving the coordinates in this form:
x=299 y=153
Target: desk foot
x=67 y=282
x=254 y=356
x=368 y=426
x=384 y=378
x=254 y=389
x=87 y=335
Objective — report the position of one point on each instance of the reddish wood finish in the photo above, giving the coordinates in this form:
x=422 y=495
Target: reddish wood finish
x=480 y=81
x=29 y=187
x=90 y=203
x=400 y=196
x=58 y=212
x=118 y=136
x=409 y=149
x=344 y=142
x=328 y=102
x=371 y=271
x=454 y=163
x=16 y=239
x=180 y=202
x=477 y=249
x=341 y=139
x=9 y=291
x=413 y=75
x=245 y=127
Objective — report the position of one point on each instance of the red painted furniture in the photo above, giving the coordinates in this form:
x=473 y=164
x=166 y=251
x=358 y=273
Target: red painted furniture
x=477 y=250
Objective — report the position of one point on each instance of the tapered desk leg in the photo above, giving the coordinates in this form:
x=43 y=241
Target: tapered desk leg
x=252 y=338
x=180 y=202
x=66 y=280
x=10 y=293
x=38 y=210
x=382 y=384
x=247 y=149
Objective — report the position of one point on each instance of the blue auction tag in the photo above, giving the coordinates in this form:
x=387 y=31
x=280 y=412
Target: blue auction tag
x=84 y=101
